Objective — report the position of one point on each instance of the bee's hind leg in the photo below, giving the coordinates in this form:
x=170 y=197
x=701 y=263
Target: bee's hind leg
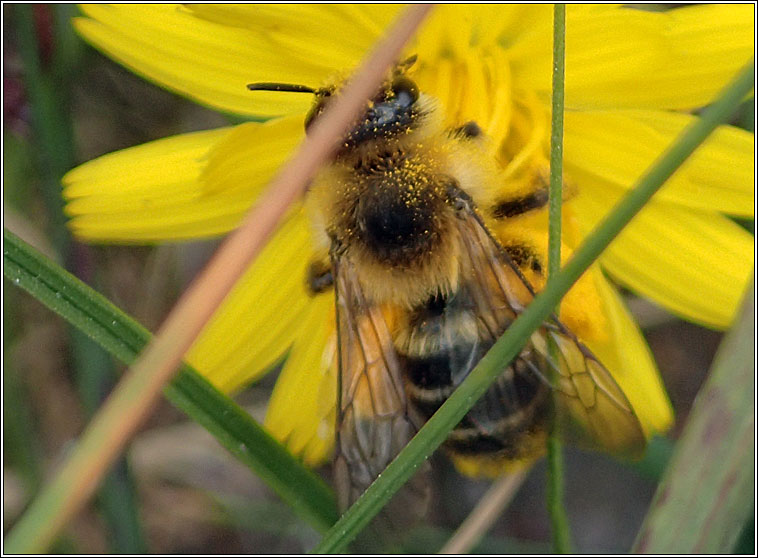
x=536 y=198
x=469 y=130
x=512 y=207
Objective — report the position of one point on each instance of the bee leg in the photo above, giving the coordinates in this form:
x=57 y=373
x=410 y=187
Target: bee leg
x=469 y=130
x=519 y=205
x=536 y=199
x=524 y=256
x=319 y=278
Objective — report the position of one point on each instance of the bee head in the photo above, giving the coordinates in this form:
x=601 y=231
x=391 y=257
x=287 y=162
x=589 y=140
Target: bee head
x=392 y=112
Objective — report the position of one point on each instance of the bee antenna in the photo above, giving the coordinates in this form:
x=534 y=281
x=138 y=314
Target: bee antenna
x=289 y=87
x=407 y=63
x=410 y=61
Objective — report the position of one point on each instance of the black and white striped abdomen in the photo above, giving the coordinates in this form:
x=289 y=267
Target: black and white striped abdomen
x=440 y=343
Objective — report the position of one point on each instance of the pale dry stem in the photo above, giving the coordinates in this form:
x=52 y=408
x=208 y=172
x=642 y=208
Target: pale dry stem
x=486 y=512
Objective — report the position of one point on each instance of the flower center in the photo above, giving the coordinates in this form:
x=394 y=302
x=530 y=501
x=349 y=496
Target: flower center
x=478 y=86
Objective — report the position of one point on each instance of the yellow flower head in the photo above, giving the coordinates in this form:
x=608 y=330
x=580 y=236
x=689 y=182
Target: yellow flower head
x=632 y=78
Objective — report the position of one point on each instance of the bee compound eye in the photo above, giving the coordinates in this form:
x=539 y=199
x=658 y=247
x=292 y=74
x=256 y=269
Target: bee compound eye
x=405 y=91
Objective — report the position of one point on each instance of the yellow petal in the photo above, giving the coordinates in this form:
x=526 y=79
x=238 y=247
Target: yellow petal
x=245 y=160
x=446 y=33
x=626 y=355
x=619 y=146
x=261 y=317
x=332 y=37
x=204 y=60
x=301 y=411
x=629 y=58
x=148 y=192
x=189 y=186
x=477 y=87
x=694 y=263
x=491 y=24
x=523 y=29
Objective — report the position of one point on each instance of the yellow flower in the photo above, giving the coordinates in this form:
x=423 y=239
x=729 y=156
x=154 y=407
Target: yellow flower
x=631 y=78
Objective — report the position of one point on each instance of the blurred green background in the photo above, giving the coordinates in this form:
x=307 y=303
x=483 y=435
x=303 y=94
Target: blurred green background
x=177 y=491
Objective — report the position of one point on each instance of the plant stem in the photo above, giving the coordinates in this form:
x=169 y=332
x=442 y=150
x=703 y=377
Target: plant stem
x=556 y=507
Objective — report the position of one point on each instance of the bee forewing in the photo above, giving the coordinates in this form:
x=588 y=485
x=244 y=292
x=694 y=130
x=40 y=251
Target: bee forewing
x=592 y=408
x=590 y=405
x=374 y=421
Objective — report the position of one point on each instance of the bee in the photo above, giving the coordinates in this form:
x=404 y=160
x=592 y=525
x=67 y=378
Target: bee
x=423 y=288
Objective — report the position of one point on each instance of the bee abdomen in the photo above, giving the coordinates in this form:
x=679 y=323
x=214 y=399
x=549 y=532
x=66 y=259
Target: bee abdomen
x=509 y=445
x=512 y=412
x=515 y=407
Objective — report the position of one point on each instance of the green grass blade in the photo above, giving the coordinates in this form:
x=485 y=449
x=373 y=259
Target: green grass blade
x=51 y=125
x=706 y=495
x=119 y=503
x=556 y=508
x=123 y=338
x=507 y=347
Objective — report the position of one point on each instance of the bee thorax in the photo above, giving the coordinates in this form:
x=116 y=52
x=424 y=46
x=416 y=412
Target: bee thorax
x=397 y=223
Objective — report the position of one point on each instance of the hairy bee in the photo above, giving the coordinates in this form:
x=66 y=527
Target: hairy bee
x=423 y=289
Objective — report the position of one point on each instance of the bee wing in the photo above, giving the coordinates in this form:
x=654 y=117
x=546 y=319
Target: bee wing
x=589 y=401
x=374 y=421
x=590 y=405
